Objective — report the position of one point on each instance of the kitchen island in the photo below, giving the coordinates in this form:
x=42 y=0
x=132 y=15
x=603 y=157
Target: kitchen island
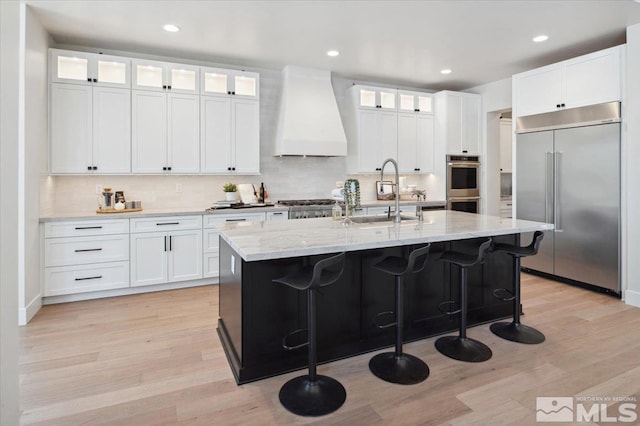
x=256 y=314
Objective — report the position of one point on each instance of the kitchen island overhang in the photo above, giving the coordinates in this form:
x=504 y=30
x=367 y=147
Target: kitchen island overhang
x=256 y=314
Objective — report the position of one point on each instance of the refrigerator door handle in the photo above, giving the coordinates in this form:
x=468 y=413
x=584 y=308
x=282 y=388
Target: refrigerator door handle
x=547 y=156
x=556 y=190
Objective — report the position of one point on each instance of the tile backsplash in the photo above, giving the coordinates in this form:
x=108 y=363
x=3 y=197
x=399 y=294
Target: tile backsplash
x=284 y=177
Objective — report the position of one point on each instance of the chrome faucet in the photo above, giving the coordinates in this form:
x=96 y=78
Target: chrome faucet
x=392 y=161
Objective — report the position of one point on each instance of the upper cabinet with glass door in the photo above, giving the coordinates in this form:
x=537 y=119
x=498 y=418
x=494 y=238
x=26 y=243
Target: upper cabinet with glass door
x=414 y=102
x=89 y=68
x=165 y=76
x=223 y=82
x=376 y=97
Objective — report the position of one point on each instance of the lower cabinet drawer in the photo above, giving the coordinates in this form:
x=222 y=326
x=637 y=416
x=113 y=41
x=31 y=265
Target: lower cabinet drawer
x=85 y=278
x=211 y=265
x=85 y=250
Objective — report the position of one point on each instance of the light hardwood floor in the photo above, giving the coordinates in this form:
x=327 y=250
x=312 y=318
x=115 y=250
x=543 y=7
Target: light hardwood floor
x=155 y=359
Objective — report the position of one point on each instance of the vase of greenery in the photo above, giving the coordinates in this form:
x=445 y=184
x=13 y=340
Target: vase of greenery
x=230 y=190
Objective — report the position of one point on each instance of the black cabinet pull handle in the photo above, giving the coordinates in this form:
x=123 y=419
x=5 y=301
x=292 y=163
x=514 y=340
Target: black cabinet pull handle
x=169 y=87
x=235 y=220
x=89 y=79
x=417 y=110
x=557 y=105
x=89 y=278
x=277 y=213
x=165 y=243
x=562 y=105
x=167 y=223
x=88 y=227
x=88 y=167
x=164 y=86
x=170 y=240
x=95 y=80
x=95 y=167
x=84 y=250
x=464 y=151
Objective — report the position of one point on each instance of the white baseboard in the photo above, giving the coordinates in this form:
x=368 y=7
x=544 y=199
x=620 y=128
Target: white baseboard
x=126 y=291
x=632 y=298
x=25 y=314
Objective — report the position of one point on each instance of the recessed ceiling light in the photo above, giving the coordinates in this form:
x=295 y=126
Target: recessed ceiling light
x=540 y=38
x=171 y=28
x=332 y=53
x=445 y=71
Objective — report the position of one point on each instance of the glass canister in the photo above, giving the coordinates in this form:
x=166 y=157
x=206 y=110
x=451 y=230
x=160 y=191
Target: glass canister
x=336 y=211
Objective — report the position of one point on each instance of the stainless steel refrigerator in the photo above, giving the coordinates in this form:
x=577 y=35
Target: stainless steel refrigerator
x=568 y=174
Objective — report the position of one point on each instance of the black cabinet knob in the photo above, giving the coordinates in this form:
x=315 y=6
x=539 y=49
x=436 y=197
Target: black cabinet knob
x=95 y=167
x=233 y=168
x=228 y=92
x=168 y=168
x=169 y=87
x=88 y=167
x=562 y=105
x=417 y=110
x=89 y=79
x=95 y=80
x=557 y=105
x=164 y=86
x=233 y=93
x=164 y=168
x=229 y=168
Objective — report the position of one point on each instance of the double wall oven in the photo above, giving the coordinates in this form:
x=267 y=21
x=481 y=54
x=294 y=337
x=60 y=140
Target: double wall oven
x=463 y=183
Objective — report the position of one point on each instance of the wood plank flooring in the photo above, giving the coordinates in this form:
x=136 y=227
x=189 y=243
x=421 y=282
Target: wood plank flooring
x=155 y=359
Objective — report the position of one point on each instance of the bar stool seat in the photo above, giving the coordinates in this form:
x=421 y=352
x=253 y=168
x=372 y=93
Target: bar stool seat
x=398 y=367
x=515 y=331
x=461 y=347
x=313 y=394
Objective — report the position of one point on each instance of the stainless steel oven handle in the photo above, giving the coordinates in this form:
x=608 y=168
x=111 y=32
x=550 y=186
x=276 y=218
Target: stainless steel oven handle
x=547 y=155
x=464 y=165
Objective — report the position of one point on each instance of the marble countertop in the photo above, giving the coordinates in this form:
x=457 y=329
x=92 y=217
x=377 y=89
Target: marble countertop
x=92 y=215
x=255 y=241
x=63 y=216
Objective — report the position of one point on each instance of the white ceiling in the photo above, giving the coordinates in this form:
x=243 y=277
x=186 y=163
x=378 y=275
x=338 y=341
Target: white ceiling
x=399 y=42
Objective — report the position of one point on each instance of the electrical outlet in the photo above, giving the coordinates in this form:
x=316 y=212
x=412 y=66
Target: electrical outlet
x=178 y=187
x=98 y=189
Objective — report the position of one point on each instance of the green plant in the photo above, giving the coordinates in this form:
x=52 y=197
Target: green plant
x=352 y=193
x=229 y=187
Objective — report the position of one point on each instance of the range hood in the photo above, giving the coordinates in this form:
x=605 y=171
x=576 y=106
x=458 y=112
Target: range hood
x=309 y=122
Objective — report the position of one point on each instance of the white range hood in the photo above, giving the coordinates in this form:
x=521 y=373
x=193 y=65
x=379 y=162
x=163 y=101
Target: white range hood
x=309 y=122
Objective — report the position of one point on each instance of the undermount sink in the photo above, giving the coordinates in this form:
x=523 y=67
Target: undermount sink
x=379 y=218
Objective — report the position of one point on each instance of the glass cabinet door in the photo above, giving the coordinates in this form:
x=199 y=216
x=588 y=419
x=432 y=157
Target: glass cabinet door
x=182 y=78
x=416 y=102
x=371 y=97
x=148 y=75
x=368 y=98
x=214 y=82
x=425 y=104
x=245 y=84
x=89 y=68
x=387 y=100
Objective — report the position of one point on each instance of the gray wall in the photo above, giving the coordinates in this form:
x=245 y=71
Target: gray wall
x=9 y=135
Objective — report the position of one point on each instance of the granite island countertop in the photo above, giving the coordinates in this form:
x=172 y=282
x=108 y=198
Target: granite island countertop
x=255 y=241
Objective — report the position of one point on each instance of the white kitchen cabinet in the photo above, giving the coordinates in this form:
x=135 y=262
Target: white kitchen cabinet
x=506 y=141
x=165 y=77
x=376 y=98
x=90 y=129
x=89 y=69
x=415 y=143
x=85 y=256
x=211 y=235
x=421 y=103
x=165 y=249
x=586 y=80
x=377 y=139
x=165 y=133
x=223 y=82
x=230 y=135
x=283 y=215
x=457 y=122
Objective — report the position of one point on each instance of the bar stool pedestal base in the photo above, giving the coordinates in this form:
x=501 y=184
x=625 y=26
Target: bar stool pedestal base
x=403 y=370
x=517 y=332
x=306 y=398
x=463 y=349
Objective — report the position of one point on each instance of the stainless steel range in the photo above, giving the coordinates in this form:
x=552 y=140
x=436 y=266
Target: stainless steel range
x=305 y=209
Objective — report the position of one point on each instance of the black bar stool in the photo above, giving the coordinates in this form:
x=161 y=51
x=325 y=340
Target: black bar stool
x=514 y=330
x=313 y=394
x=462 y=347
x=398 y=367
